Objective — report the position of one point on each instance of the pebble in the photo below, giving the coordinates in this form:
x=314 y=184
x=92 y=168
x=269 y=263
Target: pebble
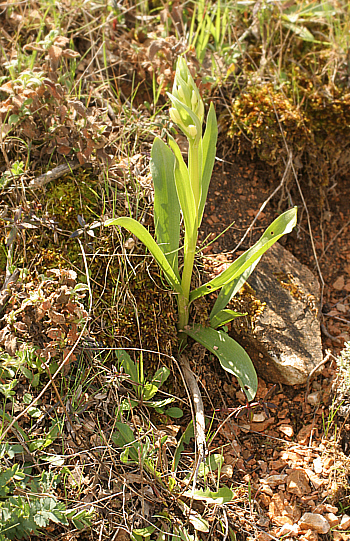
x=345 y=522
x=315 y=522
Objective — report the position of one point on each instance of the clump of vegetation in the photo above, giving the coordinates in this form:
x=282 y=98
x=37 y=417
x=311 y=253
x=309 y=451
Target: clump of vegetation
x=342 y=382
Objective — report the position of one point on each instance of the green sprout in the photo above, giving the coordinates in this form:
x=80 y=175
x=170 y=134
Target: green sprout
x=182 y=189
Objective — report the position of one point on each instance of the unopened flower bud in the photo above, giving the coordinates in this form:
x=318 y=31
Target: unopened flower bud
x=175 y=116
x=192 y=130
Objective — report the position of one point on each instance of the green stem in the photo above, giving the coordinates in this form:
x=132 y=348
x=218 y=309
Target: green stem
x=190 y=242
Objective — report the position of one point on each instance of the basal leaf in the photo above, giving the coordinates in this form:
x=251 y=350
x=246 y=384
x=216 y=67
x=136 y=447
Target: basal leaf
x=228 y=291
x=223 y=317
x=223 y=495
x=233 y=358
x=141 y=233
x=279 y=227
x=128 y=365
x=166 y=202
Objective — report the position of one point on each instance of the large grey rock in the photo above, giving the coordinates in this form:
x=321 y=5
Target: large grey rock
x=284 y=340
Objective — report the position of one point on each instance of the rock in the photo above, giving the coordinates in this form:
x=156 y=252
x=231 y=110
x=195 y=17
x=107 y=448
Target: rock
x=288 y=530
x=314 y=522
x=283 y=336
x=298 y=483
x=318 y=465
x=309 y=536
x=314 y=398
x=333 y=520
x=345 y=523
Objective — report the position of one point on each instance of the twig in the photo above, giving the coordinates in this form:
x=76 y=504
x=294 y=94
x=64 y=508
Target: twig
x=198 y=408
x=324 y=361
x=57 y=172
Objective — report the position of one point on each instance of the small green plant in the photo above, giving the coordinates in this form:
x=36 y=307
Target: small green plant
x=145 y=390
x=341 y=386
x=28 y=505
x=183 y=188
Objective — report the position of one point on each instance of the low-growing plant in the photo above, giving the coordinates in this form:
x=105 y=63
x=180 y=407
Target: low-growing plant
x=29 y=504
x=146 y=390
x=182 y=189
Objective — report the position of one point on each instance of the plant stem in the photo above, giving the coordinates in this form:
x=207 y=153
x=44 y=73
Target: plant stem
x=190 y=241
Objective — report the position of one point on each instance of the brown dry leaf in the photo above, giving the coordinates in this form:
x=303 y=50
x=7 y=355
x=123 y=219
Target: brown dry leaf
x=61 y=41
x=7 y=87
x=56 y=317
x=63 y=149
x=55 y=334
x=68 y=53
x=10 y=344
x=29 y=129
x=54 y=54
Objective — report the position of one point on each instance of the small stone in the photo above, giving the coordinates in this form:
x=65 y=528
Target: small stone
x=227 y=470
x=274 y=480
x=332 y=519
x=259 y=417
x=345 y=522
x=316 y=481
x=304 y=434
x=314 y=398
x=309 y=536
x=314 y=522
x=318 y=465
x=297 y=483
x=288 y=529
x=287 y=430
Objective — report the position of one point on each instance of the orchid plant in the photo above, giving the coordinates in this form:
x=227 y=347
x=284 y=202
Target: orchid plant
x=181 y=189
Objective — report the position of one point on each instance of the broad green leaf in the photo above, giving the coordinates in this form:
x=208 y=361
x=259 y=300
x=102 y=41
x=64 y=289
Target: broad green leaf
x=158 y=379
x=228 y=291
x=128 y=365
x=159 y=403
x=233 y=358
x=184 y=190
x=212 y=463
x=208 y=155
x=166 y=202
x=223 y=495
x=223 y=317
x=194 y=518
x=279 y=227
x=142 y=533
x=141 y=233
x=175 y=413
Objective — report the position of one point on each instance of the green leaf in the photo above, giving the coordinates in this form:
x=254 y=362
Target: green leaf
x=208 y=156
x=175 y=413
x=223 y=495
x=301 y=31
x=128 y=364
x=223 y=317
x=227 y=292
x=141 y=233
x=142 y=533
x=185 y=438
x=279 y=227
x=194 y=518
x=158 y=379
x=184 y=190
x=233 y=358
x=166 y=202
